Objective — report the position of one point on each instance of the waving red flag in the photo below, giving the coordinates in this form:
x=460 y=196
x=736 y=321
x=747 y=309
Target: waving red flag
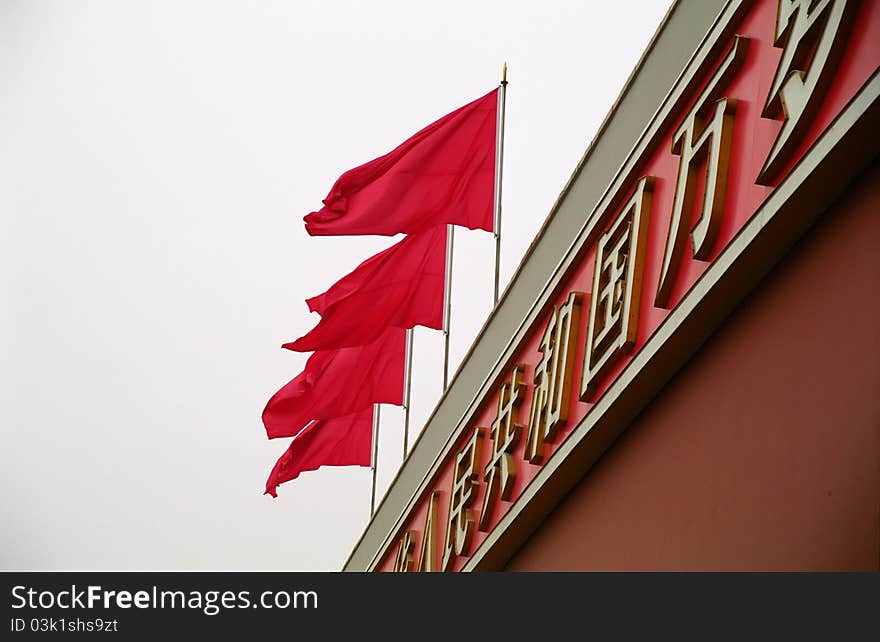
x=400 y=287
x=339 y=382
x=342 y=441
x=443 y=174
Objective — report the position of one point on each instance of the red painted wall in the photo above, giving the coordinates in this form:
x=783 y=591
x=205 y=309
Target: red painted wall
x=763 y=453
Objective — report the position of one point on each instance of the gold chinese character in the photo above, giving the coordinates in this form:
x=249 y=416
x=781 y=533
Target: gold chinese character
x=812 y=36
x=704 y=136
x=552 y=391
x=501 y=471
x=403 y=561
x=617 y=286
x=428 y=552
x=460 y=525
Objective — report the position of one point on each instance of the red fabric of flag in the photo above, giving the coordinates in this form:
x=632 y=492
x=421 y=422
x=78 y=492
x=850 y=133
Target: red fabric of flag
x=443 y=174
x=341 y=441
x=400 y=287
x=339 y=382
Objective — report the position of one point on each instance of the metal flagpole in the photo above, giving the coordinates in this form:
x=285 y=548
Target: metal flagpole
x=447 y=296
x=408 y=388
x=375 y=455
x=499 y=161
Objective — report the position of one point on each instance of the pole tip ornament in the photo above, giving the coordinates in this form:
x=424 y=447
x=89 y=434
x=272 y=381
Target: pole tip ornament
x=504 y=73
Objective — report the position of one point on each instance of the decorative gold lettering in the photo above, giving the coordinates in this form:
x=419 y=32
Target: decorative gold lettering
x=428 y=552
x=552 y=391
x=699 y=138
x=811 y=34
x=617 y=286
x=403 y=561
x=460 y=524
x=501 y=470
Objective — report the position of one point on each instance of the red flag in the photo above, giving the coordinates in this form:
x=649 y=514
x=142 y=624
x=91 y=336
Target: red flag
x=443 y=174
x=400 y=287
x=339 y=382
x=342 y=441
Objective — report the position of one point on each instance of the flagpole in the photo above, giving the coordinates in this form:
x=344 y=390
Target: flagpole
x=375 y=455
x=408 y=387
x=447 y=298
x=499 y=162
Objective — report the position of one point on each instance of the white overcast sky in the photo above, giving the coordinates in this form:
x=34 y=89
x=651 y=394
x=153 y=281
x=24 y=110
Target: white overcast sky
x=156 y=160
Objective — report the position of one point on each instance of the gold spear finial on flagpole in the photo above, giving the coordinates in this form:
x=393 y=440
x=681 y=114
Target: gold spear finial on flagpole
x=504 y=73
